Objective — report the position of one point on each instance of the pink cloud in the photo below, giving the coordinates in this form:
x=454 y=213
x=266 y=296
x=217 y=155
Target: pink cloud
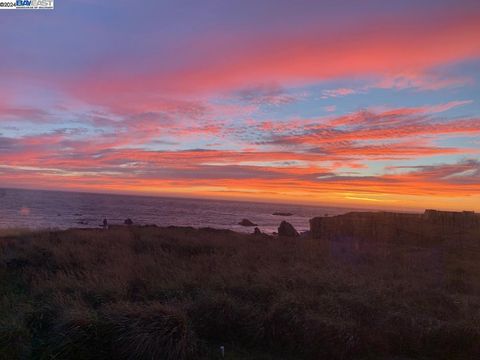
x=375 y=126
x=447 y=106
x=330 y=108
x=425 y=80
x=401 y=47
x=337 y=92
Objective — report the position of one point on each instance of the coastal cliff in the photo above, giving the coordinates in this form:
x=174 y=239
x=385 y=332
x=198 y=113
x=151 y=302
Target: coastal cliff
x=430 y=226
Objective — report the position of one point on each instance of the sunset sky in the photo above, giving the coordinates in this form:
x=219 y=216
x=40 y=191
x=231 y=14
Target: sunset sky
x=348 y=103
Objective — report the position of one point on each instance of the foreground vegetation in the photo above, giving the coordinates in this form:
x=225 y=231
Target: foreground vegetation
x=181 y=293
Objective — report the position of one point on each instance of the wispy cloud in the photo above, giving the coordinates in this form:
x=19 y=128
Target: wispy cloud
x=333 y=93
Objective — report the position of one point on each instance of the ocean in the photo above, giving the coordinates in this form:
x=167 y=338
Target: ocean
x=39 y=209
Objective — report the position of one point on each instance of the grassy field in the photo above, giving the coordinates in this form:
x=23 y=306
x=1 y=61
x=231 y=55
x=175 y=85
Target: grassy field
x=181 y=293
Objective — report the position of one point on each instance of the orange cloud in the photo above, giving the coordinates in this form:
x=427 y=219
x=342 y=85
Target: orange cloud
x=439 y=185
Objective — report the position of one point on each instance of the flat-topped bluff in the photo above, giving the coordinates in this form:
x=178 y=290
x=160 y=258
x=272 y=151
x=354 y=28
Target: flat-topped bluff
x=432 y=225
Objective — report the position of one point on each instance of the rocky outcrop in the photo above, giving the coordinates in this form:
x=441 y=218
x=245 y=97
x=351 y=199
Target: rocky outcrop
x=282 y=214
x=246 y=222
x=388 y=226
x=257 y=231
x=287 y=229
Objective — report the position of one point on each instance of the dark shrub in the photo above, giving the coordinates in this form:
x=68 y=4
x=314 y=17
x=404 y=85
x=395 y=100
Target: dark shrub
x=142 y=246
x=220 y=318
x=136 y=290
x=448 y=341
x=149 y=331
x=291 y=326
x=14 y=340
x=80 y=334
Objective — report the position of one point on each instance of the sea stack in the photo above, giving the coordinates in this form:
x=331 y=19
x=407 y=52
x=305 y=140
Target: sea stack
x=246 y=222
x=286 y=229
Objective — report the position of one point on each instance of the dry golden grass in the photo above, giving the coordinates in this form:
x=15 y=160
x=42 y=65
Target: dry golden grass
x=180 y=293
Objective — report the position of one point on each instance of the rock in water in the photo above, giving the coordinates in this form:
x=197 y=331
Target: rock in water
x=246 y=222
x=287 y=229
x=257 y=231
x=128 y=222
x=282 y=214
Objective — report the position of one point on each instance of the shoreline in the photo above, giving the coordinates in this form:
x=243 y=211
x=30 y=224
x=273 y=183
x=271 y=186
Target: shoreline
x=361 y=225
